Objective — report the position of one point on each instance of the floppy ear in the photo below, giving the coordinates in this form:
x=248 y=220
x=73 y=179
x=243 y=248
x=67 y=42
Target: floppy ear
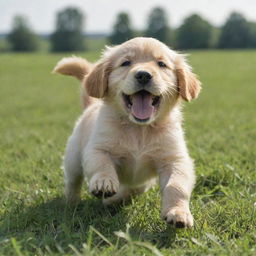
x=188 y=84
x=73 y=66
x=96 y=82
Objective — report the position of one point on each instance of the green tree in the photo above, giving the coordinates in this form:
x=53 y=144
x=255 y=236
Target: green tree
x=158 y=26
x=68 y=35
x=194 y=33
x=21 y=37
x=252 y=35
x=235 y=32
x=122 y=30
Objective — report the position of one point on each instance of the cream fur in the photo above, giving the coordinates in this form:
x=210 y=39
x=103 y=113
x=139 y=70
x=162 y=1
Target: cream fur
x=120 y=157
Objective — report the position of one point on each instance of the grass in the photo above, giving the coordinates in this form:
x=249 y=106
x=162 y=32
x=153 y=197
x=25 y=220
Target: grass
x=38 y=111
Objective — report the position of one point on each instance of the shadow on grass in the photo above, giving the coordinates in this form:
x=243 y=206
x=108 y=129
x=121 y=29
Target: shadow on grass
x=56 y=226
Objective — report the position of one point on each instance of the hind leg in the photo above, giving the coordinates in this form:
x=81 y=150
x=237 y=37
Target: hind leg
x=73 y=172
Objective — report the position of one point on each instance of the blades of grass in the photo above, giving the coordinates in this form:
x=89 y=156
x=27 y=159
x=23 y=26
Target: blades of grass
x=89 y=239
x=213 y=238
x=16 y=247
x=101 y=236
x=149 y=247
x=73 y=248
x=195 y=241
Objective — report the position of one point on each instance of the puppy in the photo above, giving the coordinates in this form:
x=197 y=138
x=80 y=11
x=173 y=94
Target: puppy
x=130 y=132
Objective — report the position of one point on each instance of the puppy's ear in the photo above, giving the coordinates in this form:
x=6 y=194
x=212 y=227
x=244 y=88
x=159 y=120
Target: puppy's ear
x=73 y=66
x=96 y=82
x=188 y=84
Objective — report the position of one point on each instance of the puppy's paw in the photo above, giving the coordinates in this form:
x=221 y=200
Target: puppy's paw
x=103 y=185
x=180 y=217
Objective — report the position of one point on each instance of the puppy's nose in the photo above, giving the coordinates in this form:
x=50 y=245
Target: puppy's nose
x=143 y=77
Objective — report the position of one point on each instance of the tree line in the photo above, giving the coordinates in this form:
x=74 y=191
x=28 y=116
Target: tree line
x=195 y=32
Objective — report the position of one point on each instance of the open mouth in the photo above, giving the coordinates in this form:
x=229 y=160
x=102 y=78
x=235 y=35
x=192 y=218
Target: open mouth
x=142 y=105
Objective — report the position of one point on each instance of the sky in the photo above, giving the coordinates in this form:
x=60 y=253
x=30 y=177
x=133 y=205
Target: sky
x=100 y=14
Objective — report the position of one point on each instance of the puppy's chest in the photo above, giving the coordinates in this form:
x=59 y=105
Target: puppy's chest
x=135 y=170
x=135 y=150
x=135 y=162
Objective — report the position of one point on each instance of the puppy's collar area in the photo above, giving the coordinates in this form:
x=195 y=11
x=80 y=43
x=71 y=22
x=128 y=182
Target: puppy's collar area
x=142 y=105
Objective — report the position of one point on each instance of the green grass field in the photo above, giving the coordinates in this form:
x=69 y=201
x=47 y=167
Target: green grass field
x=38 y=111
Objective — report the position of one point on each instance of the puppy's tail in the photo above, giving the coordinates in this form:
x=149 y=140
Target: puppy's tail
x=78 y=68
x=73 y=66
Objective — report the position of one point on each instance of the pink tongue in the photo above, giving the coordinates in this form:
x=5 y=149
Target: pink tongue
x=142 y=105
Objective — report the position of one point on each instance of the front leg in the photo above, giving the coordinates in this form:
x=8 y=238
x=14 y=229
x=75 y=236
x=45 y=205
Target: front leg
x=100 y=170
x=176 y=183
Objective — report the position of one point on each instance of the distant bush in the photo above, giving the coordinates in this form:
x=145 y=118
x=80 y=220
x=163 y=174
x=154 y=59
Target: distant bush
x=122 y=30
x=194 y=33
x=235 y=32
x=158 y=26
x=68 y=35
x=252 y=35
x=21 y=37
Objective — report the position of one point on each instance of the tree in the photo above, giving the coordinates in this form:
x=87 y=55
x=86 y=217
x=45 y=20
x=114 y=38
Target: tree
x=68 y=35
x=252 y=35
x=158 y=26
x=21 y=37
x=235 y=32
x=195 y=32
x=122 y=30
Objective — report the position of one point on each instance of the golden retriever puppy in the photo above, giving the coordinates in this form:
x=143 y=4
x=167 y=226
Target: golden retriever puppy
x=130 y=132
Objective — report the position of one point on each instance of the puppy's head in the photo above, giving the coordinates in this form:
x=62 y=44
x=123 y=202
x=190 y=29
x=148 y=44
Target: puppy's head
x=143 y=79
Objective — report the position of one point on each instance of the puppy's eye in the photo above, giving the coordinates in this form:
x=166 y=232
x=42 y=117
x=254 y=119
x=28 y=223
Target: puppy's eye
x=161 y=64
x=126 y=63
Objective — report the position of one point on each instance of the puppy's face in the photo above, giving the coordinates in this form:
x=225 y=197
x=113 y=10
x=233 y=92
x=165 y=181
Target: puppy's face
x=143 y=79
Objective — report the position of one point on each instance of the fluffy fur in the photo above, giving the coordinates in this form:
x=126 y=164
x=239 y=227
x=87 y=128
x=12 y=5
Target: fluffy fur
x=119 y=154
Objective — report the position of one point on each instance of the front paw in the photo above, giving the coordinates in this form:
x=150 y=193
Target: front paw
x=103 y=185
x=180 y=217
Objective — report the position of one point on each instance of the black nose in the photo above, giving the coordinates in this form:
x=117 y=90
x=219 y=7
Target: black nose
x=143 y=77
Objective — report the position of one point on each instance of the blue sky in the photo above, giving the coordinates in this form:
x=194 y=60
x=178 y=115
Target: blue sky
x=100 y=14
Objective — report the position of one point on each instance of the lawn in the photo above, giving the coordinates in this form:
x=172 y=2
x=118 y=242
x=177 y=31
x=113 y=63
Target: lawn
x=38 y=111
